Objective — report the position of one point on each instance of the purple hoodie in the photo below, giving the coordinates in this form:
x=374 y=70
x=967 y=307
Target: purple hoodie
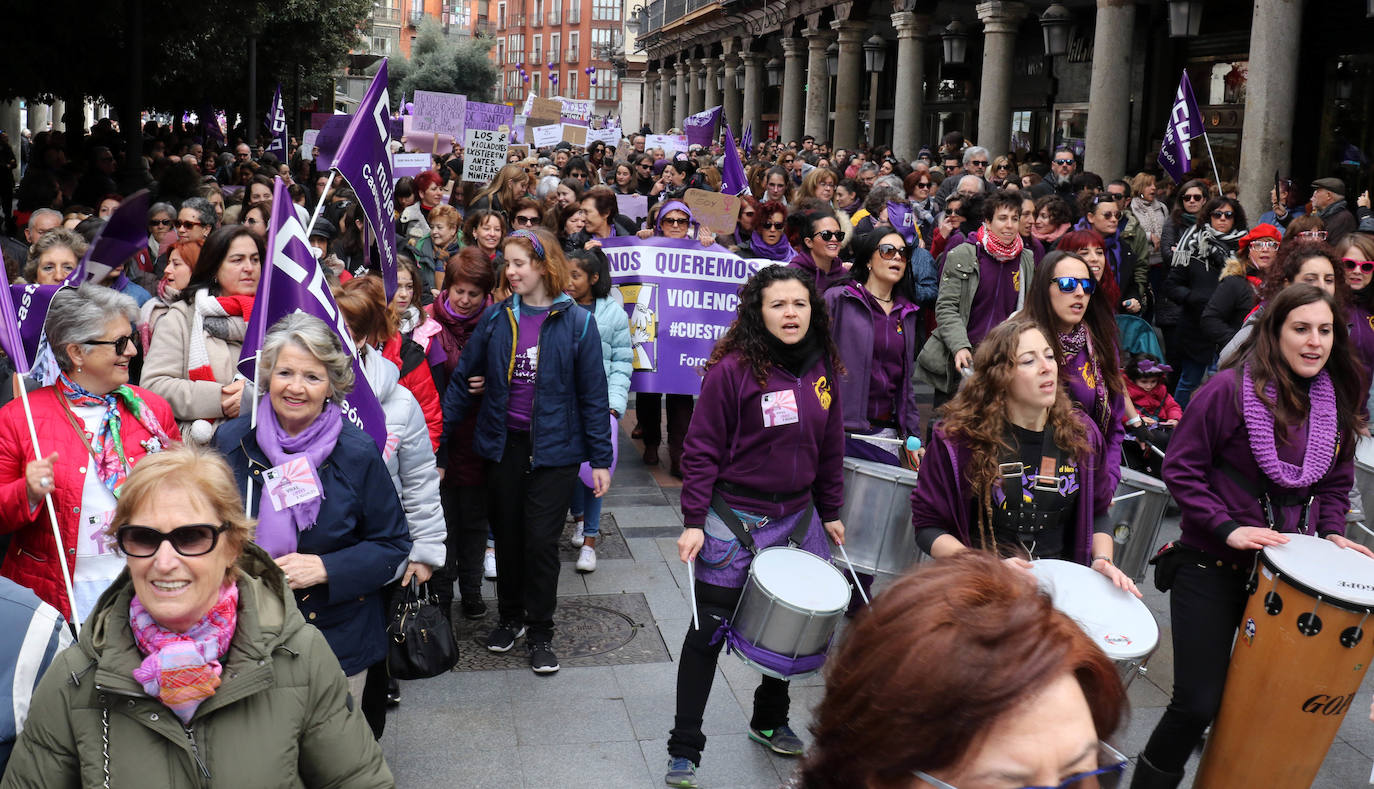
x=854 y=320
x=803 y=260
x=728 y=441
x=1213 y=431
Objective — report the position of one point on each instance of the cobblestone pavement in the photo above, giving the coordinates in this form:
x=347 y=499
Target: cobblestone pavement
x=603 y=720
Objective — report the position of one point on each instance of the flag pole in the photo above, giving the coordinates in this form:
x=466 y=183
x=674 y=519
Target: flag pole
x=319 y=207
x=1207 y=139
x=52 y=517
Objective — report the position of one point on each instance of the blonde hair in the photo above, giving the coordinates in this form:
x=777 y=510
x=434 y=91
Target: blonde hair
x=554 y=266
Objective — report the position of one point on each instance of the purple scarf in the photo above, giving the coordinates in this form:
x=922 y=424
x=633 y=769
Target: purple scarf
x=277 y=531
x=1323 y=432
x=781 y=251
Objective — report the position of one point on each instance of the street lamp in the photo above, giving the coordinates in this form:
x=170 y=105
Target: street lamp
x=720 y=81
x=640 y=15
x=739 y=78
x=1185 y=17
x=875 y=54
x=1055 y=24
x=774 y=69
x=832 y=59
x=955 y=40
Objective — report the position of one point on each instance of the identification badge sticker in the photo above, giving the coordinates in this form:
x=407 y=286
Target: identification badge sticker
x=93 y=526
x=780 y=408
x=291 y=483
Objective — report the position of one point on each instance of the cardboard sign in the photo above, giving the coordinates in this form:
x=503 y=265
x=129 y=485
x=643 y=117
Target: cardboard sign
x=609 y=136
x=429 y=142
x=484 y=154
x=544 y=112
x=439 y=112
x=714 y=210
x=480 y=115
x=546 y=136
x=670 y=143
x=308 y=143
x=412 y=164
x=577 y=135
x=635 y=207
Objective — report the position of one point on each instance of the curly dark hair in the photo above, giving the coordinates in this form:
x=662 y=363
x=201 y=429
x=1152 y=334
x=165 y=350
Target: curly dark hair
x=1289 y=261
x=747 y=335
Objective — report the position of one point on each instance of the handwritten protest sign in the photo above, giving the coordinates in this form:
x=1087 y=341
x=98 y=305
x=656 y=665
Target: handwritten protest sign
x=480 y=115
x=546 y=136
x=577 y=135
x=714 y=210
x=439 y=112
x=575 y=108
x=635 y=207
x=428 y=142
x=544 y=112
x=308 y=143
x=484 y=154
x=609 y=136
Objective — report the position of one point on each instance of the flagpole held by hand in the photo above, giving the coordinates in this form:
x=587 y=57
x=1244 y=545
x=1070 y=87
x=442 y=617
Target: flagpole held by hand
x=52 y=517
x=319 y=207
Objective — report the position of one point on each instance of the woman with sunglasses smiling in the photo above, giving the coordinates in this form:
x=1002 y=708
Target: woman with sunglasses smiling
x=1105 y=215
x=1358 y=262
x=818 y=255
x=1198 y=260
x=1238 y=288
x=1187 y=208
x=93 y=428
x=1298 y=261
x=205 y=672
x=965 y=675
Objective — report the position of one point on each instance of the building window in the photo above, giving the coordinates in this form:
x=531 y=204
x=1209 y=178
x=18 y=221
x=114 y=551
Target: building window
x=606 y=10
x=554 y=41
x=607 y=85
x=538 y=53
x=573 y=48
x=603 y=40
x=500 y=16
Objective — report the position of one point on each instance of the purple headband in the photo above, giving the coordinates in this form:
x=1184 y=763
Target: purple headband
x=1151 y=367
x=529 y=236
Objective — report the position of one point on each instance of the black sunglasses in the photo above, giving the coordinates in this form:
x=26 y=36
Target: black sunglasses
x=1063 y=161
x=675 y=221
x=525 y=220
x=1070 y=284
x=889 y=252
x=982 y=163
x=774 y=225
x=120 y=345
x=829 y=235
x=196 y=539
x=159 y=223
x=1223 y=214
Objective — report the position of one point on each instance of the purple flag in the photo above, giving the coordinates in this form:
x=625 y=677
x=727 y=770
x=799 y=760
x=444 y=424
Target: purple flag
x=902 y=219
x=209 y=123
x=747 y=141
x=292 y=281
x=121 y=238
x=327 y=141
x=701 y=128
x=10 y=338
x=1185 y=123
x=365 y=162
x=276 y=126
x=733 y=181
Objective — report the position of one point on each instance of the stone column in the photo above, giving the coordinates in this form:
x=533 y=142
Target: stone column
x=695 y=94
x=59 y=112
x=907 y=108
x=730 y=66
x=38 y=117
x=680 y=104
x=753 y=93
x=849 y=83
x=650 y=97
x=665 y=100
x=817 y=85
x=1000 y=21
x=793 y=89
x=1110 y=96
x=1266 y=143
x=631 y=103
x=711 y=68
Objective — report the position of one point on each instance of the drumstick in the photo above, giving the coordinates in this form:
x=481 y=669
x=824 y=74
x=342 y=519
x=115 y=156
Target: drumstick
x=692 y=594
x=845 y=555
x=1125 y=496
x=910 y=442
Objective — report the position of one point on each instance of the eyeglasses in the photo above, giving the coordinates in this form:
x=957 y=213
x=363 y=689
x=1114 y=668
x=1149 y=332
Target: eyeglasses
x=1063 y=161
x=527 y=221
x=774 y=225
x=889 y=252
x=675 y=221
x=120 y=345
x=1110 y=762
x=1223 y=214
x=1266 y=243
x=196 y=539
x=1366 y=266
x=181 y=225
x=982 y=163
x=923 y=184
x=1117 y=196
x=1002 y=167
x=828 y=235
x=1316 y=235
x=1192 y=198
x=159 y=223
x=1070 y=284
x=1109 y=215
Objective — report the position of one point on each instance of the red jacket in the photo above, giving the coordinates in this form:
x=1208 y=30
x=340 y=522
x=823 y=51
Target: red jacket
x=28 y=561
x=409 y=357
x=1157 y=402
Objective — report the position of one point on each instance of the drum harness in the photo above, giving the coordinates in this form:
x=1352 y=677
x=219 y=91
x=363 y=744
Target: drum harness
x=740 y=530
x=1029 y=522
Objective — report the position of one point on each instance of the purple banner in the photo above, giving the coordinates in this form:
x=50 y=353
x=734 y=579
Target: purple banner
x=292 y=280
x=276 y=126
x=328 y=140
x=733 y=181
x=364 y=161
x=1185 y=123
x=489 y=117
x=119 y=239
x=680 y=297
x=701 y=128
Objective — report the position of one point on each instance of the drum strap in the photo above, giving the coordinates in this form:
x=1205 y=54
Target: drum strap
x=1046 y=479
x=1268 y=498
x=741 y=532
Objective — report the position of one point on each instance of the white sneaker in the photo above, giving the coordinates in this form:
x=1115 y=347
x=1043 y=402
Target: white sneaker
x=586 y=559
x=489 y=566
x=578 y=537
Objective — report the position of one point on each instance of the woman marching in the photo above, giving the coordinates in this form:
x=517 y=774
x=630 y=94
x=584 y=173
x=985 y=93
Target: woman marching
x=983 y=482
x=768 y=422
x=1266 y=448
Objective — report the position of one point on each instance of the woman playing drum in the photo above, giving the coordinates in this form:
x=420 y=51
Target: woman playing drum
x=769 y=423
x=1013 y=467
x=1239 y=489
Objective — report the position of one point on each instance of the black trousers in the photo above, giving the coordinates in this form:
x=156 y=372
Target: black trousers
x=527 y=506
x=465 y=515
x=1205 y=607
x=696 y=670
x=649 y=412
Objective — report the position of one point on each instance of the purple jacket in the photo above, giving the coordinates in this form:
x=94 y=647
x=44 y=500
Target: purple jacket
x=942 y=498
x=1079 y=370
x=1213 y=431
x=728 y=441
x=803 y=260
x=851 y=324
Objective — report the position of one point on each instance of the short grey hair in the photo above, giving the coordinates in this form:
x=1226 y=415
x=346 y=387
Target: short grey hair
x=889 y=180
x=201 y=206
x=162 y=208
x=316 y=338
x=46 y=212
x=879 y=196
x=546 y=186
x=57 y=237
x=973 y=151
x=975 y=180
x=77 y=316
x=868 y=167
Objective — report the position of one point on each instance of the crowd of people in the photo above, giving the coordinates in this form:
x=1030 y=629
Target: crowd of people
x=1065 y=325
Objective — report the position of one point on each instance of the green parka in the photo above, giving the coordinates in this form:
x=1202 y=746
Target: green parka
x=282 y=716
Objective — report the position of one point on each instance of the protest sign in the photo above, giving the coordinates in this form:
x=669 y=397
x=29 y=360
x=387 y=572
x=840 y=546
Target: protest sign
x=635 y=206
x=411 y=164
x=580 y=109
x=577 y=135
x=544 y=112
x=670 y=143
x=428 y=142
x=439 y=112
x=609 y=136
x=680 y=298
x=308 y=143
x=484 y=154
x=491 y=117
x=717 y=211
x=546 y=136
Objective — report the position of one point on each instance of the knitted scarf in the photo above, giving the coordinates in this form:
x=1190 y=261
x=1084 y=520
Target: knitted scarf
x=108 y=444
x=1003 y=252
x=183 y=669
x=211 y=315
x=457 y=329
x=781 y=251
x=1073 y=342
x=1049 y=239
x=1322 y=432
x=1200 y=242
x=277 y=530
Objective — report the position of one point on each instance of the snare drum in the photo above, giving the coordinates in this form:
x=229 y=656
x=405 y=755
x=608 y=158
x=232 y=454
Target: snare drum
x=878 y=536
x=1136 y=518
x=1302 y=650
x=1116 y=620
x=787 y=613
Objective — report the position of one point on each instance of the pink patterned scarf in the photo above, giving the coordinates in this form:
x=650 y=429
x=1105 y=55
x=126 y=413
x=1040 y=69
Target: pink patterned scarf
x=183 y=669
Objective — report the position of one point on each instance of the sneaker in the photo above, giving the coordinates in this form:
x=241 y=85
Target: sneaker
x=781 y=740
x=503 y=637
x=586 y=559
x=489 y=566
x=578 y=537
x=474 y=608
x=681 y=773
x=542 y=658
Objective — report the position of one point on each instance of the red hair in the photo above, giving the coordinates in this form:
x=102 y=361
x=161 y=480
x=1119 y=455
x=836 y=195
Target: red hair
x=1075 y=240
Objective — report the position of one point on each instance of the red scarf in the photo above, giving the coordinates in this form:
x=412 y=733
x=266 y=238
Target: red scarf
x=995 y=246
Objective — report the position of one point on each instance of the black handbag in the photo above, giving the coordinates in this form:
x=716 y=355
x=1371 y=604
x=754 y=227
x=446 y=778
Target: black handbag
x=422 y=643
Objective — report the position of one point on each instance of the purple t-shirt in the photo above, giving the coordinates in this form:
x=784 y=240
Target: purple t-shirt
x=995 y=299
x=521 y=402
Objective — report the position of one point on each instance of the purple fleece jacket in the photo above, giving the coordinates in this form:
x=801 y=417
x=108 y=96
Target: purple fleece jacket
x=1213 y=505
x=852 y=324
x=1085 y=394
x=943 y=500
x=727 y=441
x=803 y=260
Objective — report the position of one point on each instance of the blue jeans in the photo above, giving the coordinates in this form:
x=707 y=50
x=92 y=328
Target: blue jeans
x=587 y=506
x=1189 y=377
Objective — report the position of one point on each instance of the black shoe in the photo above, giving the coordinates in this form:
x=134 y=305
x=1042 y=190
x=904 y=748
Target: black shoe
x=542 y=658
x=1147 y=776
x=474 y=608
x=503 y=637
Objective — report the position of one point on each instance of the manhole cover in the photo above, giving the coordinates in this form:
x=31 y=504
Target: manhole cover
x=591 y=630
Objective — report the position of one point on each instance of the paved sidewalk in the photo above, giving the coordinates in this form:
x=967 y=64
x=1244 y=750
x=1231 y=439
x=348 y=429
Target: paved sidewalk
x=606 y=725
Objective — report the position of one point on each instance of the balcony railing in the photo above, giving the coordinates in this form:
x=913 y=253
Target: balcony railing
x=572 y=54
x=386 y=16
x=555 y=18
x=536 y=20
x=536 y=56
x=665 y=12
x=484 y=27
x=516 y=20
x=574 y=15
x=514 y=57
x=415 y=18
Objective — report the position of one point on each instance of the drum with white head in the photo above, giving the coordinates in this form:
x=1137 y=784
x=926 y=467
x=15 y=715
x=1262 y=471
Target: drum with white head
x=787 y=613
x=1116 y=620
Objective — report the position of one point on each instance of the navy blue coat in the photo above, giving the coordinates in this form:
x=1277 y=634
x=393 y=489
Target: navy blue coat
x=361 y=536
x=569 y=420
